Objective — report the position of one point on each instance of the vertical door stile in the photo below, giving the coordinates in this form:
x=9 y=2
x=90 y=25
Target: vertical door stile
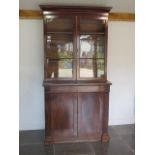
x=77 y=113
x=74 y=49
x=106 y=47
x=77 y=69
x=78 y=45
x=45 y=46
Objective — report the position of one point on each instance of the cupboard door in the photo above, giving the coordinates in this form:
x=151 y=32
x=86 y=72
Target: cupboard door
x=90 y=107
x=61 y=114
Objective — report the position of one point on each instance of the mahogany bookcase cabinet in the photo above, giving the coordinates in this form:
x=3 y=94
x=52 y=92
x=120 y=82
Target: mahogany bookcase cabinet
x=75 y=73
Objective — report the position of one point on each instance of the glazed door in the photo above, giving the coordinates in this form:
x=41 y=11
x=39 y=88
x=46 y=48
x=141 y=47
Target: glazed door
x=90 y=111
x=61 y=115
x=60 y=47
x=92 y=33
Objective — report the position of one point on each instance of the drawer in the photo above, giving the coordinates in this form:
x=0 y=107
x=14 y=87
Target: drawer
x=79 y=88
x=60 y=89
x=92 y=89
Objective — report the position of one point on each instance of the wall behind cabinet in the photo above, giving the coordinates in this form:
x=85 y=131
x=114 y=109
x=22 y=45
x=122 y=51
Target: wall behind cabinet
x=121 y=65
x=120 y=73
x=31 y=99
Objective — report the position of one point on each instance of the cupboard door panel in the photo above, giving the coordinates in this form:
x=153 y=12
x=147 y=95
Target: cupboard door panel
x=61 y=114
x=90 y=107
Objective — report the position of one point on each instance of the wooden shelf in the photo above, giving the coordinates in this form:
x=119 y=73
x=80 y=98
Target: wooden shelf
x=52 y=59
x=92 y=33
x=59 y=32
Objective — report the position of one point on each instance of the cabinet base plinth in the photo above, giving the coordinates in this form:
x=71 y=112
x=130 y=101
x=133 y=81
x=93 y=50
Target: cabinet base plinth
x=70 y=140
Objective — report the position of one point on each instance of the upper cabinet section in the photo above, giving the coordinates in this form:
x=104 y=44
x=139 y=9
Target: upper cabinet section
x=75 y=43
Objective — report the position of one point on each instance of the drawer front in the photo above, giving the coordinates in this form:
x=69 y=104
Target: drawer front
x=74 y=89
x=60 y=89
x=91 y=88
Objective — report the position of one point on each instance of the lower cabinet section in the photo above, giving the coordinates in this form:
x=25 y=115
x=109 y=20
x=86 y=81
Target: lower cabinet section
x=75 y=116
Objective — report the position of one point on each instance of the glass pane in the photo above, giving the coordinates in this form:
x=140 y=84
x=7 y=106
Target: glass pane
x=58 y=24
x=91 y=25
x=60 y=68
x=91 y=68
x=59 y=46
x=92 y=46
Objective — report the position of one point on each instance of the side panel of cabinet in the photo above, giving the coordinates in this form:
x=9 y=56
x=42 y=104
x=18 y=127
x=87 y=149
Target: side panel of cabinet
x=90 y=111
x=61 y=115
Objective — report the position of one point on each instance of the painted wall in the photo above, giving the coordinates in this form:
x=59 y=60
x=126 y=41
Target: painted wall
x=121 y=48
x=117 y=5
x=120 y=73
